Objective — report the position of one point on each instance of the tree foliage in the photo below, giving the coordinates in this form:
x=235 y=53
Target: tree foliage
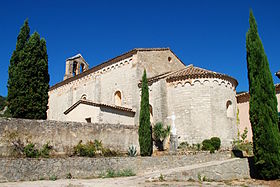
x=263 y=107
x=145 y=131
x=28 y=82
x=2 y=103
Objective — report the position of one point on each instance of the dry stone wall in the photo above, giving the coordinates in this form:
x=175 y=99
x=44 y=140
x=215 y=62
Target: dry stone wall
x=63 y=136
x=79 y=167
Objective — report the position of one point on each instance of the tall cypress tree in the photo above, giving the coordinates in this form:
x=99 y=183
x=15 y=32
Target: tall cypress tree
x=14 y=74
x=263 y=107
x=31 y=85
x=145 y=131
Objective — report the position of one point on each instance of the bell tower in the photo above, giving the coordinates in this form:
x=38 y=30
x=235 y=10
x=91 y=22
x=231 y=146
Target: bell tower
x=74 y=66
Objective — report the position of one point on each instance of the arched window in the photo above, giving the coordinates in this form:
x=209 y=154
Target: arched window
x=84 y=97
x=75 y=69
x=118 y=98
x=230 y=113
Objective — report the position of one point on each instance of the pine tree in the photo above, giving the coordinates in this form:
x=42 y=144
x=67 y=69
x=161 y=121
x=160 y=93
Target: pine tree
x=145 y=131
x=263 y=107
x=31 y=85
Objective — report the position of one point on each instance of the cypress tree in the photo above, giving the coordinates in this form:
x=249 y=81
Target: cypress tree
x=263 y=107
x=145 y=131
x=14 y=74
x=32 y=80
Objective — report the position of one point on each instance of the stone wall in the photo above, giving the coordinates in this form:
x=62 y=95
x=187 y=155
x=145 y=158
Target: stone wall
x=35 y=169
x=201 y=109
x=63 y=136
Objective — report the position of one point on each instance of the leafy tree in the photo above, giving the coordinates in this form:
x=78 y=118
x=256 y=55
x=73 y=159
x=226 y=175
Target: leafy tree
x=263 y=107
x=145 y=131
x=29 y=81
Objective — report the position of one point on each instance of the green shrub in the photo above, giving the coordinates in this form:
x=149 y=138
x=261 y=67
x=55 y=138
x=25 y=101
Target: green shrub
x=30 y=151
x=216 y=142
x=207 y=145
x=45 y=151
x=211 y=144
x=91 y=149
x=183 y=145
x=87 y=149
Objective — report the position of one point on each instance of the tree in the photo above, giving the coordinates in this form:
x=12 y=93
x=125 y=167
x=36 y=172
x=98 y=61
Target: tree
x=2 y=102
x=145 y=131
x=263 y=107
x=14 y=76
x=29 y=96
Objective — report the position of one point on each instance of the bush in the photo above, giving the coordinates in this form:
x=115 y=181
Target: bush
x=91 y=149
x=87 y=149
x=207 y=145
x=45 y=152
x=211 y=144
x=216 y=142
x=30 y=151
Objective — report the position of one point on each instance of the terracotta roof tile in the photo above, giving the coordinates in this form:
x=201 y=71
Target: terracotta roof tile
x=191 y=72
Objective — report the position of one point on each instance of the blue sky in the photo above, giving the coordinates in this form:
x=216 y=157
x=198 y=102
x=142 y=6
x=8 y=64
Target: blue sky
x=208 y=34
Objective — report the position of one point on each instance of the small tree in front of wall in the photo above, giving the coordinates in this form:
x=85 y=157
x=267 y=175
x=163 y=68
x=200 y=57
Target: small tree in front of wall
x=160 y=134
x=145 y=131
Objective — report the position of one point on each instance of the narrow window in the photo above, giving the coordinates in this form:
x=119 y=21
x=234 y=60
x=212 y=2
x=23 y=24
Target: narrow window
x=118 y=98
x=82 y=68
x=75 y=69
x=229 y=106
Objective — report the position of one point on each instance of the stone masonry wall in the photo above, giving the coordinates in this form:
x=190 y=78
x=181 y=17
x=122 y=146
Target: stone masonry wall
x=79 y=167
x=201 y=109
x=63 y=136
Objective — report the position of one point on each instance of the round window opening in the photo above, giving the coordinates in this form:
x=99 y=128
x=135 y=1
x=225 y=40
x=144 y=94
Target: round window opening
x=169 y=59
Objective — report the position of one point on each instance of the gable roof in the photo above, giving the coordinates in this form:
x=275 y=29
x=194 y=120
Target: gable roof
x=108 y=63
x=91 y=103
x=192 y=72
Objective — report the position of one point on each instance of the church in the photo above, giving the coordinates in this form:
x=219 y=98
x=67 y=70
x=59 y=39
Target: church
x=203 y=101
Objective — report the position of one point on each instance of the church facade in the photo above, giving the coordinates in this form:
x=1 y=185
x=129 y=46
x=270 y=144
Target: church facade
x=203 y=101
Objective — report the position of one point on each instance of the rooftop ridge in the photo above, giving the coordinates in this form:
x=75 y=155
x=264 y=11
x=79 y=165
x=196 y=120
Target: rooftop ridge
x=107 y=63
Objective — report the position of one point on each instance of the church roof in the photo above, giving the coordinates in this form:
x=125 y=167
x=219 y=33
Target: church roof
x=192 y=72
x=91 y=103
x=107 y=63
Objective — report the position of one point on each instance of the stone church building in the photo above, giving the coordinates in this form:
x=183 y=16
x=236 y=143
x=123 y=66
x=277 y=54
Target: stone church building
x=203 y=101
